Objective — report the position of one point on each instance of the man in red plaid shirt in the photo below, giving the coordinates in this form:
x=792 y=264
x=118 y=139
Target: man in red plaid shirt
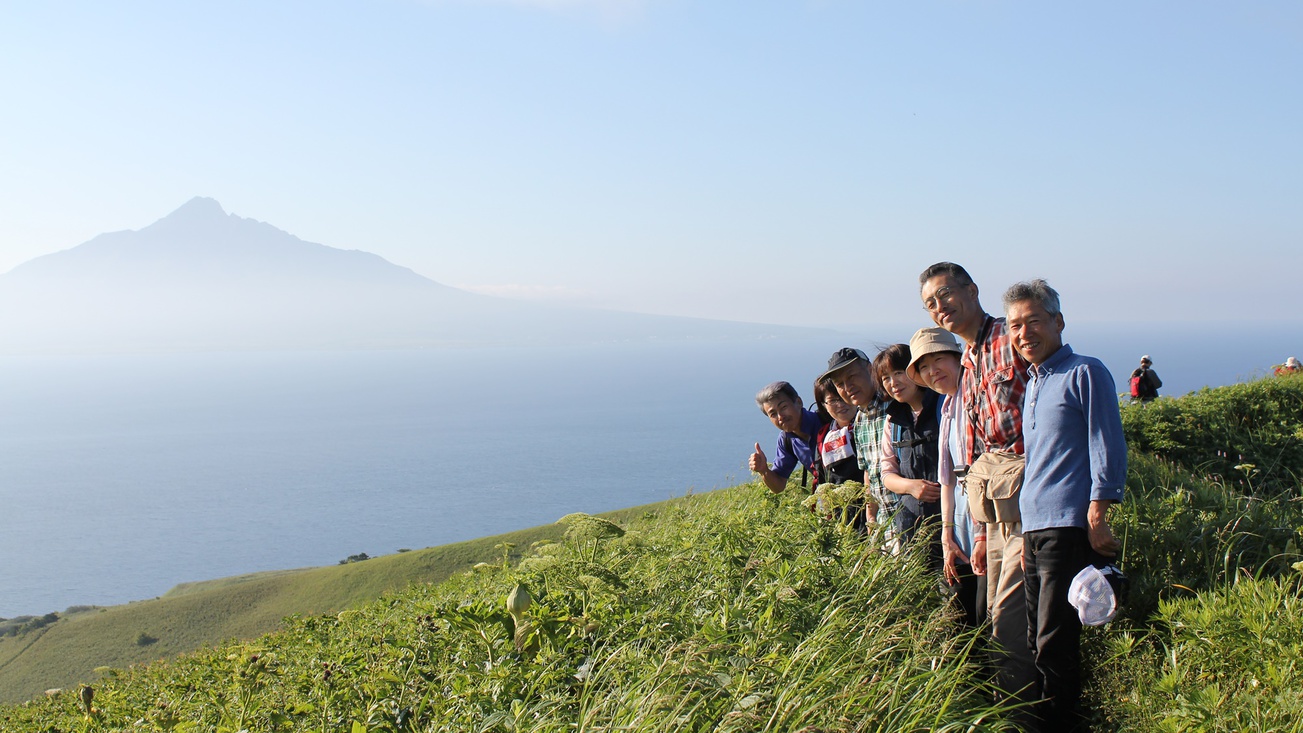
x=991 y=392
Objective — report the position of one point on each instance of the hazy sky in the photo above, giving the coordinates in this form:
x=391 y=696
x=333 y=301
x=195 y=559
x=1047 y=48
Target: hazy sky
x=792 y=162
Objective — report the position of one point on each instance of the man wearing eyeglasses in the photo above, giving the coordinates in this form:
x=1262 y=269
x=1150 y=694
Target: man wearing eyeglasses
x=991 y=395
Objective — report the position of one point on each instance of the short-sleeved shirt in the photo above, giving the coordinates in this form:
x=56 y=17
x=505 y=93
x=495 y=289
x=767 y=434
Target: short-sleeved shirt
x=992 y=388
x=793 y=450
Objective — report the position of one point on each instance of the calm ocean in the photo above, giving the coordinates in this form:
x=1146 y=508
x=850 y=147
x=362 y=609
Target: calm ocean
x=122 y=476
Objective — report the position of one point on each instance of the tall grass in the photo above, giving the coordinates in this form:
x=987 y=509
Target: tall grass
x=1183 y=533
x=196 y=615
x=729 y=611
x=1226 y=660
x=1212 y=530
x=741 y=611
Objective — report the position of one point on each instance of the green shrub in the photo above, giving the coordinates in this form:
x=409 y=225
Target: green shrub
x=1182 y=533
x=80 y=609
x=20 y=625
x=1227 y=660
x=1249 y=435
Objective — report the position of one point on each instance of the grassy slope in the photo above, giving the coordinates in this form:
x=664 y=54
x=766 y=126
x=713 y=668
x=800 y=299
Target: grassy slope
x=728 y=611
x=196 y=615
x=721 y=614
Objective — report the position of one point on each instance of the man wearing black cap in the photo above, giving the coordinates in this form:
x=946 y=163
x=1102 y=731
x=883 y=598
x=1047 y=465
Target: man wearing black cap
x=850 y=372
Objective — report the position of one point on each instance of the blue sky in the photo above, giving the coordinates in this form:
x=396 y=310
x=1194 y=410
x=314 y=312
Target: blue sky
x=794 y=162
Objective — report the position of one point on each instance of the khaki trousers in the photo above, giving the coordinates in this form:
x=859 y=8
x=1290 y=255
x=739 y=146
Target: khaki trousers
x=1006 y=598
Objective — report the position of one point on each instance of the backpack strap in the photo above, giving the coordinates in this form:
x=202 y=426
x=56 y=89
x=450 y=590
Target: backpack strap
x=972 y=415
x=817 y=467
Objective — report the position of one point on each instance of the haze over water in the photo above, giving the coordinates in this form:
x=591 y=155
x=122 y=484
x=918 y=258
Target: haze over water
x=124 y=475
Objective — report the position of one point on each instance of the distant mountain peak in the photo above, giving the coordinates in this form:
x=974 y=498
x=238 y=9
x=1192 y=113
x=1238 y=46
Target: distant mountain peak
x=197 y=209
x=202 y=278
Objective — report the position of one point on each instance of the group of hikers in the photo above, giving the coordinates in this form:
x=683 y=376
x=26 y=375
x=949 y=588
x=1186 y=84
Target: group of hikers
x=991 y=440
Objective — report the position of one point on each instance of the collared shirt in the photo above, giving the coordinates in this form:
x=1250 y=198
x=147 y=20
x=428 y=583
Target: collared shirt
x=869 y=426
x=793 y=450
x=995 y=378
x=1076 y=452
x=952 y=427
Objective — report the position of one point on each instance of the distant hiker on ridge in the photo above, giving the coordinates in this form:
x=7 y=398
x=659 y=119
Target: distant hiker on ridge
x=1145 y=382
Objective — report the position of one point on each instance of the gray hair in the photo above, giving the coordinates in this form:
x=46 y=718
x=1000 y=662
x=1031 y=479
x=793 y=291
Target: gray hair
x=1037 y=291
x=775 y=390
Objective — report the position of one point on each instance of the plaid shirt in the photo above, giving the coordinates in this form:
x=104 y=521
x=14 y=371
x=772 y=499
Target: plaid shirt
x=869 y=426
x=994 y=381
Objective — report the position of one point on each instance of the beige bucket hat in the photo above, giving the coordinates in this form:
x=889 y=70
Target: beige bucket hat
x=929 y=341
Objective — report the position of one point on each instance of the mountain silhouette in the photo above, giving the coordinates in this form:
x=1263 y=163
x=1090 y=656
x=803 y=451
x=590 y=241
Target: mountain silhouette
x=201 y=278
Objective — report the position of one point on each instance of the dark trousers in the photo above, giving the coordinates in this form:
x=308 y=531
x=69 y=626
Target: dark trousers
x=969 y=594
x=1052 y=558
x=912 y=516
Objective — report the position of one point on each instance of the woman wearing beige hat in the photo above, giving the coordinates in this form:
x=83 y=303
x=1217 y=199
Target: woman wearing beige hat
x=934 y=363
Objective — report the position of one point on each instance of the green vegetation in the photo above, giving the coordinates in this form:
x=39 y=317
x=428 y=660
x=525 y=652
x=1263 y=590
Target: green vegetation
x=729 y=610
x=1224 y=660
x=196 y=615
x=1250 y=434
x=21 y=625
x=741 y=611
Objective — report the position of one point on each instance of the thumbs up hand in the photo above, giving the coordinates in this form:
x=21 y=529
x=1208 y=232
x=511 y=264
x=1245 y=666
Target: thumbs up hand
x=758 y=463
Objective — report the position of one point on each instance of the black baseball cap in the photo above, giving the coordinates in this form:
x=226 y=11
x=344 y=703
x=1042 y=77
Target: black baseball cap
x=843 y=357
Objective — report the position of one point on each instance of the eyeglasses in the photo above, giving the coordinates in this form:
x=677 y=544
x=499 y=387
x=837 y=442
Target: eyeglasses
x=942 y=295
x=833 y=398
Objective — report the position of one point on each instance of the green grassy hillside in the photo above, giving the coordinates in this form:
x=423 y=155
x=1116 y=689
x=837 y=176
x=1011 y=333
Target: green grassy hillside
x=741 y=611
x=195 y=615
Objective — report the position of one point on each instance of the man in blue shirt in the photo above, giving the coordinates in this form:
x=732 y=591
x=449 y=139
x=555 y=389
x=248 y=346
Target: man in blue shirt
x=1076 y=468
x=782 y=405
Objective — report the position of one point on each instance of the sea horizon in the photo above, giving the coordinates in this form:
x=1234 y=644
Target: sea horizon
x=125 y=475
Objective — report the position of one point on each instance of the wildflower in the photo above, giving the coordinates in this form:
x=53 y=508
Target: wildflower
x=518 y=602
x=580 y=526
